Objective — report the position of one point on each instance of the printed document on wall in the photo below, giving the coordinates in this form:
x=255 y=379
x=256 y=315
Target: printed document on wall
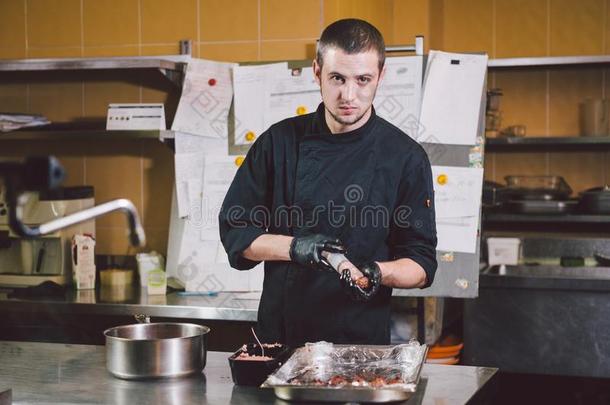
x=188 y=167
x=293 y=92
x=457 y=234
x=452 y=98
x=189 y=163
x=457 y=191
x=251 y=87
x=189 y=143
x=218 y=174
x=398 y=98
x=457 y=202
x=204 y=105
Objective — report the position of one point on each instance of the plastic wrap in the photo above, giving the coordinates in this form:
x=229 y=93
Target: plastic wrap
x=340 y=367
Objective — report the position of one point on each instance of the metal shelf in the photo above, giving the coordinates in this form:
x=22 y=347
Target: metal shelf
x=547 y=143
x=546 y=219
x=85 y=135
x=175 y=63
x=547 y=61
x=172 y=66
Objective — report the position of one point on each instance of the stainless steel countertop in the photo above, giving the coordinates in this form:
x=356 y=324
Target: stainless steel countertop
x=76 y=374
x=224 y=306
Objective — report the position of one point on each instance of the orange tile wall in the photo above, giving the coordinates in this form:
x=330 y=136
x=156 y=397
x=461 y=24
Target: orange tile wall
x=545 y=100
x=238 y=30
x=255 y=30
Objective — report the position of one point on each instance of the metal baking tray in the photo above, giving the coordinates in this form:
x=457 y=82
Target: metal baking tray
x=309 y=374
x=541 y=207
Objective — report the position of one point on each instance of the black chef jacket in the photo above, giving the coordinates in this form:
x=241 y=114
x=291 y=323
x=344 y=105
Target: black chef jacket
x=370 y=187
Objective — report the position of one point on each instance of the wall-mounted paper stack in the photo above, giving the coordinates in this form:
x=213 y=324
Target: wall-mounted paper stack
x=196 y=257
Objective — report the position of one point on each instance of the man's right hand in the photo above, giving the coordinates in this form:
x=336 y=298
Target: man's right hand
x=307 y=250
x=358 y=292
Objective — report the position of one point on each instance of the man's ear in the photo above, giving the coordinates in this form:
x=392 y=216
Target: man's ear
x=317 y=72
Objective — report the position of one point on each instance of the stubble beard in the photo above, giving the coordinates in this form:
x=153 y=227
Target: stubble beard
x=346 y=122
x=341 y=121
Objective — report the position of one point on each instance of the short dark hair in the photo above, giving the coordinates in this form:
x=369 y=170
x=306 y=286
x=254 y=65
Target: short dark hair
x=352 y=36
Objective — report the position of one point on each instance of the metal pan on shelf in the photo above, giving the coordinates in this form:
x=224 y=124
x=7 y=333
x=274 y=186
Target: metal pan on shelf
x=538 y=188
x=595 y=201
x=541 y=207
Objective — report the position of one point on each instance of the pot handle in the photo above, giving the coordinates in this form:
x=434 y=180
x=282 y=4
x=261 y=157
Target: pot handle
x=142 y=318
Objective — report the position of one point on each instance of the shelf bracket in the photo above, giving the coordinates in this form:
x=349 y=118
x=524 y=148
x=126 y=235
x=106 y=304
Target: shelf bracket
x=174 y=76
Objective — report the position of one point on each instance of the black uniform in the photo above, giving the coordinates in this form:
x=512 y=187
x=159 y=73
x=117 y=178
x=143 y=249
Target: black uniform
x=370 y=187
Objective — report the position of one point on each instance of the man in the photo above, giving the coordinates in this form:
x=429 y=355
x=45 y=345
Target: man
x=338 y=180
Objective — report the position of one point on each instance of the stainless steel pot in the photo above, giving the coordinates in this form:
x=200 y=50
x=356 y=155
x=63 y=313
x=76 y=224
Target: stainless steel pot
x=595 y=201
x=152 y=350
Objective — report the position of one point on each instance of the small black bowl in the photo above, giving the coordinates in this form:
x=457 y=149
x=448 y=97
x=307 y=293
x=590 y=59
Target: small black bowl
x=255 y=372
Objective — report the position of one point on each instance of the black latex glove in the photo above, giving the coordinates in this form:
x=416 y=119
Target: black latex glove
x=307 y=250
x=370 y=270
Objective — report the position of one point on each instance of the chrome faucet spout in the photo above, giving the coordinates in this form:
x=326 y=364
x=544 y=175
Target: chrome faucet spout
x=46 y=174
x=137 y=237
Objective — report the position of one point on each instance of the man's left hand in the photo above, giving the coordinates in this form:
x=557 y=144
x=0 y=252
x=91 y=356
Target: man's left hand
x=370 y=270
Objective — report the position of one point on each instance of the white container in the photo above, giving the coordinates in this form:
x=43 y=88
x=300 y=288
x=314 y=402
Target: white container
x=83 y=261
x=148 y=262
x=503 y=251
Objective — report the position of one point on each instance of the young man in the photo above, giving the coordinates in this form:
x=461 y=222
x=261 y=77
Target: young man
x=338 y=180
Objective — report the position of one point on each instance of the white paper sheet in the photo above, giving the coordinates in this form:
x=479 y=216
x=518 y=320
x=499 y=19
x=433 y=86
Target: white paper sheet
x=221 y=254
x=189 y=163
x=219 y=172
x=457 y=191
x=188 y=143
x=174 y=239
x=209 y=250
x=457 y=202
x=451 y=101
x=221 y=277
x=398 y=98
x=293 y=92
x=206 y=98
x=194 y=200
x=251 y=87
x=457 y=234
x=257 y=275
x=188 y=167
x=218 y=277
x=186 y=252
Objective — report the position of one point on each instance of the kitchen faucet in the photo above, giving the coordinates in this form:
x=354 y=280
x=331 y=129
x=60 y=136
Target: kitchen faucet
x=46 y=173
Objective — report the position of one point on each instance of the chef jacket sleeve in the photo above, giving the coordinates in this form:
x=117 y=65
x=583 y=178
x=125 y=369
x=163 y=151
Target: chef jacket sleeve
x=245 y=209
x=413 y=229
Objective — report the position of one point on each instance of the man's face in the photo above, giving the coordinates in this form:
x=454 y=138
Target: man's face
x=348 y=84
